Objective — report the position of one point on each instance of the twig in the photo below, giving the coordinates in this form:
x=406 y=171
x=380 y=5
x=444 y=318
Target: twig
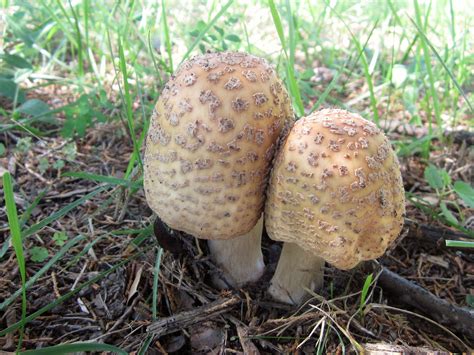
x=55 y=285
x=53 y=195
x=185 y=319
x=243 y=333
x=435 y=234
x=34 y=173
x=381 y=348
x=123 y=316
x=457 y=318
x=247 y=345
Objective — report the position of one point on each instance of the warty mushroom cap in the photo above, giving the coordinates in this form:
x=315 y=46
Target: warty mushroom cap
x=336 y=189
x=211 y=141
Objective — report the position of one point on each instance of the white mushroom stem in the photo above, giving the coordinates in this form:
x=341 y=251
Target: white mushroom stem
x=297 y=270
x=240 y=258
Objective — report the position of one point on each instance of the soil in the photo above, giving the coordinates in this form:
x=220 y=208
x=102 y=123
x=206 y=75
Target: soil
x=116 y=309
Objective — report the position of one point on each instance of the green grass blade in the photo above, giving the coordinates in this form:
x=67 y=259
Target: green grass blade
x=16 y=241
x=365 y=64
x=153 y=59
x=129 y=18
x=459 y=244
x=58 y=20
x=64 y=297
x=53 y=217
x=128 y=102
x=365 y=292
x=135 y=155
x=291 y=35
x=86 y=9
x=394 y=12
x=290 y=68
x=325 y=93
x=247 y=39
x=62 y=212
x=83 y=252
x=278 y=25
x=142 y=236
x=58 y=255
x=166 y=31
x=146 y=123
x=112 y=180
x=74 y=348
x=27 y=214
x=5 y=247
x=205 y=29
x=429 y=69
x=367 y=74
x=442 y=62
x=294 y=87
x=146 y=344
x=80 y=50
x=156 y=274
x=453 y=27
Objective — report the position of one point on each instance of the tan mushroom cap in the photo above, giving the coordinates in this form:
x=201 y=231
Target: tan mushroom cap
x=211 y=140
x=336 y=189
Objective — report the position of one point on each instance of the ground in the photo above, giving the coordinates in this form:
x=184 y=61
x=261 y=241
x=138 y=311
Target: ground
x=101 y=269
x=115 y=309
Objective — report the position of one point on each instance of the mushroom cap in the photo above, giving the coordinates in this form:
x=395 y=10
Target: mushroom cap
x=336 y=189
x=211 y=142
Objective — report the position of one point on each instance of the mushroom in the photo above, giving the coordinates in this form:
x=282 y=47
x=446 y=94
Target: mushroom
x=335 y=195
x=208 y=155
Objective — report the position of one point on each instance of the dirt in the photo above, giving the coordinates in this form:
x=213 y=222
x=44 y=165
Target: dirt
x=116 y=309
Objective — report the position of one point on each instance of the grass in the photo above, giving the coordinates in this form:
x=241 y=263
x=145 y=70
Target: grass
x=166 y=33
x=51 y=262
x=20 y=324
x=17 y=242
x=290 y=47
x=365 y=66
x=113 y=59
x=459 y=244
x=205 y=30
x=427 y=61
x=156 y=273
x=127 y=101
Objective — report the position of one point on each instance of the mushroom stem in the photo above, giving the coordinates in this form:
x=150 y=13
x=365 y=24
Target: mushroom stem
x=296 y=271
x=240 y=258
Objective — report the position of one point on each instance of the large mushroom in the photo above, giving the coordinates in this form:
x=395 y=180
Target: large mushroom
x=208 y=155
x=335 y=195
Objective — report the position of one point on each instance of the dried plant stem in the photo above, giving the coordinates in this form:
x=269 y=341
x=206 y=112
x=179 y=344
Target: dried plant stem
x=435 y=234
x=185 y=319
x=457 y=318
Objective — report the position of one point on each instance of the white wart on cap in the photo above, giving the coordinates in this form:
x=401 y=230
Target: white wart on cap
x=336 y=190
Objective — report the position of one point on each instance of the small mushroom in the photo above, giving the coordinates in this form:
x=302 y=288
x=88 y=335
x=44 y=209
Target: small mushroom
x=335 y=195
x=208 y=154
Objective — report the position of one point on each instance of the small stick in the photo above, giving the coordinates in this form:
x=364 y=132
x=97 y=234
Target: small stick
x=185 y=319
x=381 y=348
x=434 y=234
x=457 y=318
